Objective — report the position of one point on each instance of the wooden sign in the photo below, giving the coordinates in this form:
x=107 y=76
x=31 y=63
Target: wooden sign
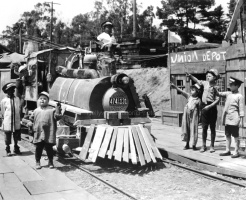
x=208 y=55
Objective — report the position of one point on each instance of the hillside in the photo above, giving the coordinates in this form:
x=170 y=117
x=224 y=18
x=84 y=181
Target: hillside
x=155 y=82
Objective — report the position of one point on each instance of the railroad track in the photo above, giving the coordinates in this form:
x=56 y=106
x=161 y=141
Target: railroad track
x=167 y=161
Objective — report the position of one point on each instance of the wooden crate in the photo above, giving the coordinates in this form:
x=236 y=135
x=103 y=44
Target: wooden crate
x=173 y=118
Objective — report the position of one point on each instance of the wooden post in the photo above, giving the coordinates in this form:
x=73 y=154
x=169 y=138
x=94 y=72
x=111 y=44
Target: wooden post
x=20 y=40
x=134 y=19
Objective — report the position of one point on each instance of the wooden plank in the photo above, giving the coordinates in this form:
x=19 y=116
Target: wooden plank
x=233 y=22
x=4 y=168
x=22 y=170
x=105 y=143
x=138 y=120
x=132 y=155
x=90 y=121
x=85 y=148
x=96 y=144
x=112 y=143
x=219 y=162
x=119 y=144
x=55 y=181
x=153 y=145
x=203 y=66
x=144 y=147
x=126 y=146
x=138 y=146
x=147 y=142
x=181 y=159
x=220 y=170
x=12 y=188
x=50 y=196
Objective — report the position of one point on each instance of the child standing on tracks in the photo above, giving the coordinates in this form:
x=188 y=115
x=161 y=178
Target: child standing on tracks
x=191 y=115
x=44 y=126
x=232 y=115
x=10 y=110
x=209 y=107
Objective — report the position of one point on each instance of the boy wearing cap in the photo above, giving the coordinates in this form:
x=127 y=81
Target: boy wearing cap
x=106 y=37
x=10 y=110
x=233 y=113
x=209 y=106
x=44 y=125
x=191 y=115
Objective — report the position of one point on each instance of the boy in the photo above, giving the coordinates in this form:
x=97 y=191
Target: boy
x=44 y=126
x=191 y=114
x=10 y=110
x=106 y=37
x=209 y=109
x=232 y=115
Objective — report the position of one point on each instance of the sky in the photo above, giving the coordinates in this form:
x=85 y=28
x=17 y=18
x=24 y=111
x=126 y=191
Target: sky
x=11 y=10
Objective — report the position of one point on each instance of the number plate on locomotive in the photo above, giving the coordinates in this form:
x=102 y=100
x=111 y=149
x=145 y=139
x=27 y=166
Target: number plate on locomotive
x=118 y=101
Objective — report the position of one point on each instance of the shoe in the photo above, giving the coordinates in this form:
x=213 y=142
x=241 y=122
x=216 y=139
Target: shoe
x=225 y=153
x=203 y=149
x=8 y=152
x=211 y=150
x=38 y=166
x=235 y=155
x=194 y=148
x=186 y=147
x=51 y=165
x=17 y=150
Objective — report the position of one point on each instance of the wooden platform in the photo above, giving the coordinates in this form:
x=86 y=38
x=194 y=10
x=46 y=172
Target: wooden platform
x=20 y=180
x=169 y=141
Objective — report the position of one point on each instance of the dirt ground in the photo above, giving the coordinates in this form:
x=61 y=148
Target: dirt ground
x=155 y=83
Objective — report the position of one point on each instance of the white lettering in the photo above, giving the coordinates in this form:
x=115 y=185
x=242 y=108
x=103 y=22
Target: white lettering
x=218 y=57
x=208 y=55
x=189 y=58
x=213 y=55
x=194 y=56
x=180 y=58
x=174 y=60
x=223 y=54
x=203 y=57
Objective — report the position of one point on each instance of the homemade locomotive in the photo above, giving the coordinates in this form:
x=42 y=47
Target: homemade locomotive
x=102 y=106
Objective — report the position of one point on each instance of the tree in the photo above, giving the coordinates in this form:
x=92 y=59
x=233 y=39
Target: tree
x=82 y=29
x=182 y=16
x=216 y=23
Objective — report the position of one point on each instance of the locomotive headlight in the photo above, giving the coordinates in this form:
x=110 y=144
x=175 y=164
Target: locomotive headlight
x=125 y=80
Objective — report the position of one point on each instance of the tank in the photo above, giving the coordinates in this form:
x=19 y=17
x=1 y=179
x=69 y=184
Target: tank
x=96 y=95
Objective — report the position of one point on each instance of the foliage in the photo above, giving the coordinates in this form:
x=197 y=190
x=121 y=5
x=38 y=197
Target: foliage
x=182 y=16
x=216 y=22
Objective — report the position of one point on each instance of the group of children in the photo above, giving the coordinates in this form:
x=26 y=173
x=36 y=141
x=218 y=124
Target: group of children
x=44 y=122
x=204 y=109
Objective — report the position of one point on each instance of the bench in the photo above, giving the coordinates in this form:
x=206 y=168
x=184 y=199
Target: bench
x=172 y=118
